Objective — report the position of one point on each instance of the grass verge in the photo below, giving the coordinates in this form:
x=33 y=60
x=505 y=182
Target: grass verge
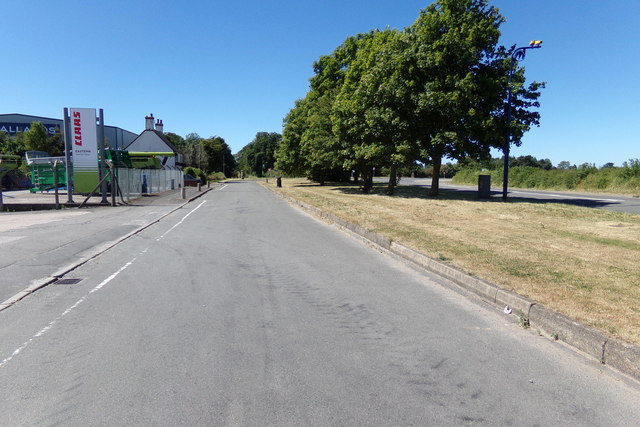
x=581 y=262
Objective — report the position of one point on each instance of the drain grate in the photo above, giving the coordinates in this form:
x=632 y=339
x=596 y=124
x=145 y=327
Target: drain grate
x=66 y=281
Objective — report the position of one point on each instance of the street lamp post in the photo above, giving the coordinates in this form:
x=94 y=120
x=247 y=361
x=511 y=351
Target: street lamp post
x=517 y=55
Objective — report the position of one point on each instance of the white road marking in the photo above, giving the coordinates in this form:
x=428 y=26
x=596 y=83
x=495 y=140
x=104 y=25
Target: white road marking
x=181 y=221
x=47 y=328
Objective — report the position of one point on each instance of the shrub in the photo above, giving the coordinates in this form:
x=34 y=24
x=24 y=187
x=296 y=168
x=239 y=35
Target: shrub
x=217 y=176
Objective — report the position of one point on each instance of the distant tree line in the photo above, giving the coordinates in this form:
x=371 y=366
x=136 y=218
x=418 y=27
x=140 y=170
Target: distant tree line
x=204 y=156
x=259 y=156
x=529 y=172
x=389 y=99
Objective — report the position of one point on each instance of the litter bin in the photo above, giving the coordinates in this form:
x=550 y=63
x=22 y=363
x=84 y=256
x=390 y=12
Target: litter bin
x=484 y=186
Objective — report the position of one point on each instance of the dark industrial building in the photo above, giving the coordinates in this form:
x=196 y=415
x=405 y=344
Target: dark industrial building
x=116 y=137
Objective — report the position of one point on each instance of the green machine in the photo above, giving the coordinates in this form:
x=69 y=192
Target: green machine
x=42 y=171
x=119 y=158
x=137 y=159
x=149 y=160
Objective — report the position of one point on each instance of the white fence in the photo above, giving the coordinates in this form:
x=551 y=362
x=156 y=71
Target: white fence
x=134 y=183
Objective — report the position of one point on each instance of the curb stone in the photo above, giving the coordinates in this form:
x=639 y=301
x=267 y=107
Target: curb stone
x=623 y=356
x=586 y=339
x=617 y=354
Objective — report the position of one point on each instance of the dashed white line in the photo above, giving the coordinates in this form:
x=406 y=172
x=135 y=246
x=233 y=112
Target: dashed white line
x=181 y=221
x=47 y=328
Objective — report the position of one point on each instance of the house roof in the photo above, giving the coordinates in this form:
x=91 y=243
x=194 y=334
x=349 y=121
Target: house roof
x=159 y=135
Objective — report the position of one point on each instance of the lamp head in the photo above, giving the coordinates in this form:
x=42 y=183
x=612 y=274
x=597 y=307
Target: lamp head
x=535 y=43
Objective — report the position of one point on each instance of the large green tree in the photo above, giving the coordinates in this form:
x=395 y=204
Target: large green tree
x=37 y=138
x=370 y=110
x=308 y=135
x=289 y=158
x=460 y=78
x=449 y=42
x=218 y=156
x=389 y=98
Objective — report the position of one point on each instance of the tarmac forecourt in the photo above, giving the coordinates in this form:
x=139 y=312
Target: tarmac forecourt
x=615 y=353
x=94 y=252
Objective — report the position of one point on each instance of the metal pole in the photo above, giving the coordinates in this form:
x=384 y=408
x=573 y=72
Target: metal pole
x=55 y=184
x=507 y=142
x=517 y=55
x=67 y=154
x=103 y=187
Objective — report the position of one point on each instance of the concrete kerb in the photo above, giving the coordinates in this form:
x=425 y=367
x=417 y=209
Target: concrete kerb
x=617 y=354
x=584 y=338
x=45 y=281
x=623 y=356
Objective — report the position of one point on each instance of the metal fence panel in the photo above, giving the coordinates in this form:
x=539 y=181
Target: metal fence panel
x=136 y=182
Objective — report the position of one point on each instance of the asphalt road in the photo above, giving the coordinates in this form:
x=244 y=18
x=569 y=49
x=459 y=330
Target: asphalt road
x=241 y=310
x=593 y=200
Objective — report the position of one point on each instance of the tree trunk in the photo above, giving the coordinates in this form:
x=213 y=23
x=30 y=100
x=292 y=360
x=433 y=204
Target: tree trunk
x=356 y=177
x=435 y=179
x=393 y=179
x=367 y=178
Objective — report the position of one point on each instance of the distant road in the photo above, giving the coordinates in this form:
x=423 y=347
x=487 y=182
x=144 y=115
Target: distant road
x=593 y=200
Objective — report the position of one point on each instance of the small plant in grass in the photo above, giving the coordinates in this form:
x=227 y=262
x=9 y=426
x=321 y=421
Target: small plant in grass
x=554 y=336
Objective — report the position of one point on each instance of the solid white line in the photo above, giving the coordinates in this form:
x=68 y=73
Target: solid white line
x=47 y=328
x=181 y=221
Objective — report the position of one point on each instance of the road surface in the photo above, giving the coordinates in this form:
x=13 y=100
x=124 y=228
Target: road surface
x=241 y=310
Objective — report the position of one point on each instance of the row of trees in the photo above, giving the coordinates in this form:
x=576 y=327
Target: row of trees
x=259 y=156
x=390 y=98
x=37 y=138
x=209 y=155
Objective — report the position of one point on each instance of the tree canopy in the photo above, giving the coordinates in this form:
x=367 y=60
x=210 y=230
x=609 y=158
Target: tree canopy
x=390 y=98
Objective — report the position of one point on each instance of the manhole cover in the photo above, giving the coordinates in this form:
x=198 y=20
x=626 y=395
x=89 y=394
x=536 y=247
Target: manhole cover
x=67 y=281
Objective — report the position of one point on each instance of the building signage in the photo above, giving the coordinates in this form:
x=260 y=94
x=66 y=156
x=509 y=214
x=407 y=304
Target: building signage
x=14 y=128
x=84 y=143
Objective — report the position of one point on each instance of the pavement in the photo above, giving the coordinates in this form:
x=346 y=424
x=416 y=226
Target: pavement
x=40 y=244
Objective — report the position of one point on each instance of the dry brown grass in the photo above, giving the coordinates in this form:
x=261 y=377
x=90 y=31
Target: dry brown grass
x=579 y=261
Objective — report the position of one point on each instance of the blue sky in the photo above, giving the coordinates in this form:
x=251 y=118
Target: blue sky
x=235 y=68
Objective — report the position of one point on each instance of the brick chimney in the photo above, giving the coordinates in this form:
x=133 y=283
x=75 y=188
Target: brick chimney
x=159 y=126
x=148 y=122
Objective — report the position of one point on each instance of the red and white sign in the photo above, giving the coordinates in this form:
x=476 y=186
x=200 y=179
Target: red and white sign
x=84 y=140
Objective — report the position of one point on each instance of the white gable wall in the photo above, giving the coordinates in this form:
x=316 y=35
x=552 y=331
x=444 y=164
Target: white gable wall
x=149 y=141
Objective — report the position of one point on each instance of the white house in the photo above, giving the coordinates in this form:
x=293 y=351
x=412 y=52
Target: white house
x=153 y=140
